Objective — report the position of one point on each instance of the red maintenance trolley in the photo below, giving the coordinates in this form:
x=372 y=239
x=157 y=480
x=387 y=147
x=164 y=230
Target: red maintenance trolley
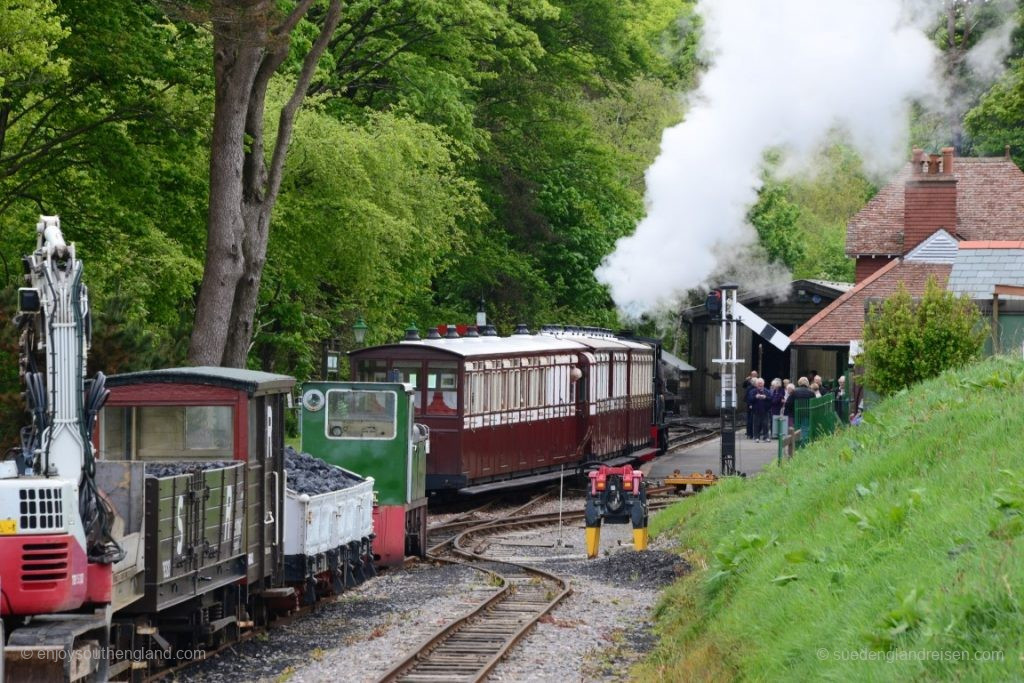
x=507 y=411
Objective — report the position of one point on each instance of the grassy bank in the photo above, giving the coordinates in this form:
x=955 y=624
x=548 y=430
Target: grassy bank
x=890 y=550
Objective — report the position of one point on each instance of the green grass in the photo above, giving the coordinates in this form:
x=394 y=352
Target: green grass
x=901 y=540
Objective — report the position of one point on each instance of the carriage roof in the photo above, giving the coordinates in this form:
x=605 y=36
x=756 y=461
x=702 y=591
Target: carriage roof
x=517 y=344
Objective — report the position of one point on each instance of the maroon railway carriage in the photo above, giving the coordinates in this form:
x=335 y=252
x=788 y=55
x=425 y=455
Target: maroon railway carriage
x=522 y=407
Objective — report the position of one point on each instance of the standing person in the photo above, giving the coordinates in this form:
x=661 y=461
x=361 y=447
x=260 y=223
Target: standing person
x=762 y=411
x=788 y=403
x=816 y=389
x=749 y=385
x=803 y=392
x=840 y=394
x=778 y=394
x=821 y=385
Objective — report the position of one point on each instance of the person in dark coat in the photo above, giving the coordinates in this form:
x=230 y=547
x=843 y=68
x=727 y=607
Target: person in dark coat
x=803 y=392
x=749 y=384
x=762 y=411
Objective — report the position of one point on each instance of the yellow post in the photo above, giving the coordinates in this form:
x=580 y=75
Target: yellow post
x=640 y=539
x=593 y=540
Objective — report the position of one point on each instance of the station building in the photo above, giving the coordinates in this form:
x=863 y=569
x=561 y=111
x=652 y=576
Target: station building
x=957 y=219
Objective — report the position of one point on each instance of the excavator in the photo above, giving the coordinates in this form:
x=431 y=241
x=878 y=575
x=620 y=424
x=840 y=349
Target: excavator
x=57 y=546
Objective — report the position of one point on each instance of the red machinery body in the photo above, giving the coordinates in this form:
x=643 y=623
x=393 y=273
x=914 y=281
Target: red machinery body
x=50 y=574
x=617 y=495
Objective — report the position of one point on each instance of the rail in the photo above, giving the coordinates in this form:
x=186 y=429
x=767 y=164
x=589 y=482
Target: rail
x=470 y=647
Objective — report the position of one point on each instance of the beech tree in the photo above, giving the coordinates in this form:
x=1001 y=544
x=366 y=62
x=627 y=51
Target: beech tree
x=251 y=41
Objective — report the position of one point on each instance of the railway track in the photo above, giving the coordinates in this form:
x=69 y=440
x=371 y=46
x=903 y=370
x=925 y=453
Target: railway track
x=471 y=646
x=687 y=435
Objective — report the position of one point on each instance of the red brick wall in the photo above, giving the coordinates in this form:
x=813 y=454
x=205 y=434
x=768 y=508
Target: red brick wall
x=866 y=265
x=930 y=204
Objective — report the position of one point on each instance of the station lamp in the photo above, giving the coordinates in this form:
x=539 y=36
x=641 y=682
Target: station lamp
x=713 y=303
x=481 y=314
x=359 y=330
x=331 y=358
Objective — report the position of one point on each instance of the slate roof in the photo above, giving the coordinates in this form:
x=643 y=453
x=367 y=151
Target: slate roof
x=843 y=320
x=981 y=265
x=990 y=206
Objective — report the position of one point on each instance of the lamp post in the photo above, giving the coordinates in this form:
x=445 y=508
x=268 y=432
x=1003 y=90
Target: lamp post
x=481 y=315
x=359 y=330
x=331 y=358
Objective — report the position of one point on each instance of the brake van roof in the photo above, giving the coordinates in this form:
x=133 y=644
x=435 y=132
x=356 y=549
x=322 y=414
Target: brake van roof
x=249 y=381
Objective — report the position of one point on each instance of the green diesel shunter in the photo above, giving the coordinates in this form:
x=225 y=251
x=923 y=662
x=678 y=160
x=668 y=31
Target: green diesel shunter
x=368 y=427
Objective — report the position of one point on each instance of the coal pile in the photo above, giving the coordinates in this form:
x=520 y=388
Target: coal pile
x=173 y=469
x=313 y=476
x=646 y=569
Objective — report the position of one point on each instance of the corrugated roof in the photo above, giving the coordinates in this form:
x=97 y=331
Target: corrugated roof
x=676 y=362
x=990 y=206
x=976 y=271
x=843 y=320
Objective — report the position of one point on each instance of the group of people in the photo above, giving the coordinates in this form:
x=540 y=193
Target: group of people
x=780 y=399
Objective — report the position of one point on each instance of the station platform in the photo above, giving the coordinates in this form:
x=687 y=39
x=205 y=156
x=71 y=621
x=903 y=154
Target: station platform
x=750 y=458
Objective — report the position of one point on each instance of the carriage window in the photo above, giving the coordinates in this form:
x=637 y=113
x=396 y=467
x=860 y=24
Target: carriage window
x=208 y=428
x=360 y=414
x=442 y=388
x=114 y=443
x=373 y=371
x=412 y=373
x=184 y=432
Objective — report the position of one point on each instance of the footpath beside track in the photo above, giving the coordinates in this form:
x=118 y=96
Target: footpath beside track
x=468 y=648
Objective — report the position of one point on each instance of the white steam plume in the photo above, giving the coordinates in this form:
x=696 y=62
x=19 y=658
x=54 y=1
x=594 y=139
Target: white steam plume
x=784 y=74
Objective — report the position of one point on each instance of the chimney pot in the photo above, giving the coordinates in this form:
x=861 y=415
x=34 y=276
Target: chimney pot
x=917 y=159
x=933 y=163
x=947 y=160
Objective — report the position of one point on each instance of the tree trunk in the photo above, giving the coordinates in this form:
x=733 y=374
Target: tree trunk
x=236 y=62
x=248 y=49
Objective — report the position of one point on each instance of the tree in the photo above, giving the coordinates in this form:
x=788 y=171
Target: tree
x=775 y=217
x=251 y=41
x=906 y=342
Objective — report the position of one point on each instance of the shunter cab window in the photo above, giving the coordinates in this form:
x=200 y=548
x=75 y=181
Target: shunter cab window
x=167 y=432
x=442 y=388
x=360 y=414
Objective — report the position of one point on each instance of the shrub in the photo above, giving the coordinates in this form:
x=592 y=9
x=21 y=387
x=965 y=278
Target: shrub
x=906 y=341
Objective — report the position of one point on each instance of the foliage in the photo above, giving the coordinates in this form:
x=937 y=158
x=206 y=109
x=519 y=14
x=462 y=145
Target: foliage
x=775 y=217
x=933 y=569
x=906 y=342
x=995 y=122
x=369 y=215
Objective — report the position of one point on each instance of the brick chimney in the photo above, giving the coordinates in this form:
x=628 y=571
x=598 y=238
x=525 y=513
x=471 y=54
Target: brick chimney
x=929 y=197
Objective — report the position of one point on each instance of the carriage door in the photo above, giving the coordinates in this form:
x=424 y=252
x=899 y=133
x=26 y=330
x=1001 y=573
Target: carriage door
x=273 y=486
x=585 y=405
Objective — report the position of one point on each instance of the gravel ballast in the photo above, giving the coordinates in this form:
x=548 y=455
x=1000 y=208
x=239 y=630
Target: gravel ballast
x=596 y=634
x=355 y=637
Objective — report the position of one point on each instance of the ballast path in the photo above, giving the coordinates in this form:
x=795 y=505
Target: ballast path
x=470 y=647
